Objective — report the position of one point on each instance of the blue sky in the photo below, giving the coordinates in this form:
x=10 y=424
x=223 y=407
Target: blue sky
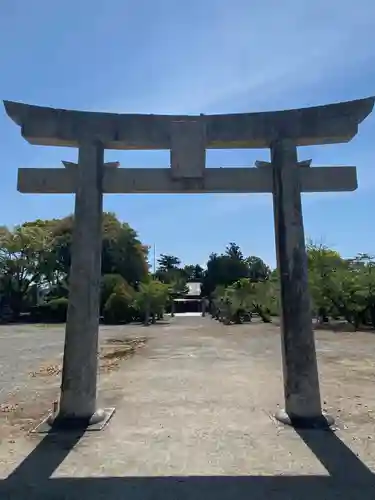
x=200 y=56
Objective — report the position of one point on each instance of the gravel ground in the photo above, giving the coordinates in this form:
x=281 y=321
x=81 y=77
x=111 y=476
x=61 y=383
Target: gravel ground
x=193 y=419
x=24 y=348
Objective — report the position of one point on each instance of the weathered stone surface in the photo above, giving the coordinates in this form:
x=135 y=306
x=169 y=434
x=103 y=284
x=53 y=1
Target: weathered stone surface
x=301 y=381
x=188 y=149
x=79 y=378
x=268 y=164
x=333 y=123
x=73 y=165
x=215 y=180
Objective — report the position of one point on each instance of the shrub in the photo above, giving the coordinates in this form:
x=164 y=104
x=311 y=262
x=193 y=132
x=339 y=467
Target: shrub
x=118 y=308
x=54 y=311
x=107 y=286
x=151 y=299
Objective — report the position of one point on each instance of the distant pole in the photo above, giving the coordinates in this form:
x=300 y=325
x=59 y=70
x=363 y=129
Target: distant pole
x=154 y=261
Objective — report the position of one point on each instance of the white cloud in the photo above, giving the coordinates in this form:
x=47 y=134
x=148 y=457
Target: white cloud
x=250 y=56
x=259 y=49
x=255 y=56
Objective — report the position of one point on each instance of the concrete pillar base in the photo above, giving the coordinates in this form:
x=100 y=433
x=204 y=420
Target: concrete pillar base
x=322 y=421
x=59 y=423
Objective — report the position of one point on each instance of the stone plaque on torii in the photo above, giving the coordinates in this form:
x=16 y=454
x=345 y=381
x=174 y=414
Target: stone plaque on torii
x=187 y=138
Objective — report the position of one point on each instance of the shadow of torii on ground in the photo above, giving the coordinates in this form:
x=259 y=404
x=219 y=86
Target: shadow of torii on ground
x=348 y=478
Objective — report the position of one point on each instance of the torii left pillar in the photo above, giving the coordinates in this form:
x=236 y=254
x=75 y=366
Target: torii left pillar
x=80 y=366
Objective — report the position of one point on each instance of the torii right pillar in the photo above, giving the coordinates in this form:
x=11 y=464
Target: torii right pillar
x=301 y=380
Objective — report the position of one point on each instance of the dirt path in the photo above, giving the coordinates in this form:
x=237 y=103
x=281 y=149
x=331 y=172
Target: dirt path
x=198 y=400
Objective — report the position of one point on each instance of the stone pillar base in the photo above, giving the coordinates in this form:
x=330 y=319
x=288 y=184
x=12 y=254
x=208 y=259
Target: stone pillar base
x=322 y=421
x=58 y=423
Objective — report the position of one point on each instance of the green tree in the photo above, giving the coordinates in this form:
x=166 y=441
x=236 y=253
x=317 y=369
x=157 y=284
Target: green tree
x=342 y=287
x=351 y=290
x=151 y=299
x=168 y=263
x=178 y=287
x=25 y=265
x=193 y=272
x=224 y=269
x=170 y=273
x=234 y=252
x=118 y=307
x=243 y=298
x=324 y=265
x=108 y=284
x=169 y=270
x=258 y=270
x=122 y=253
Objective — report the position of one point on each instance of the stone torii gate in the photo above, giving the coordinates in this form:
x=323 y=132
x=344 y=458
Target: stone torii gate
x=187 y=138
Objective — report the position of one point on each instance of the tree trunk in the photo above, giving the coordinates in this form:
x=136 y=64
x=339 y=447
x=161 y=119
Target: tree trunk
x=147 y=318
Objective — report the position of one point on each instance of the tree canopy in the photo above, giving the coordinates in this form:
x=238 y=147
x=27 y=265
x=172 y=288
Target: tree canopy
x=230 y=266
x=35 y=262
x=36 y=256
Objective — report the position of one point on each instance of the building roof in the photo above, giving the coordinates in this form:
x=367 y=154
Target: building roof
x=194 y=289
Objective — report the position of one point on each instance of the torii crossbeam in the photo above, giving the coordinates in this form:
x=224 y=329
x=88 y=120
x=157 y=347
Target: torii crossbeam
x=160 y=180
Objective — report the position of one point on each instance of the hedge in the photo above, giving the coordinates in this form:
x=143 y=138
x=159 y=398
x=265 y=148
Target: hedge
x=54 y=311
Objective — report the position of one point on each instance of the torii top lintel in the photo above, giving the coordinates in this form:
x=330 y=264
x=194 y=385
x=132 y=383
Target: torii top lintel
x=333 y=123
